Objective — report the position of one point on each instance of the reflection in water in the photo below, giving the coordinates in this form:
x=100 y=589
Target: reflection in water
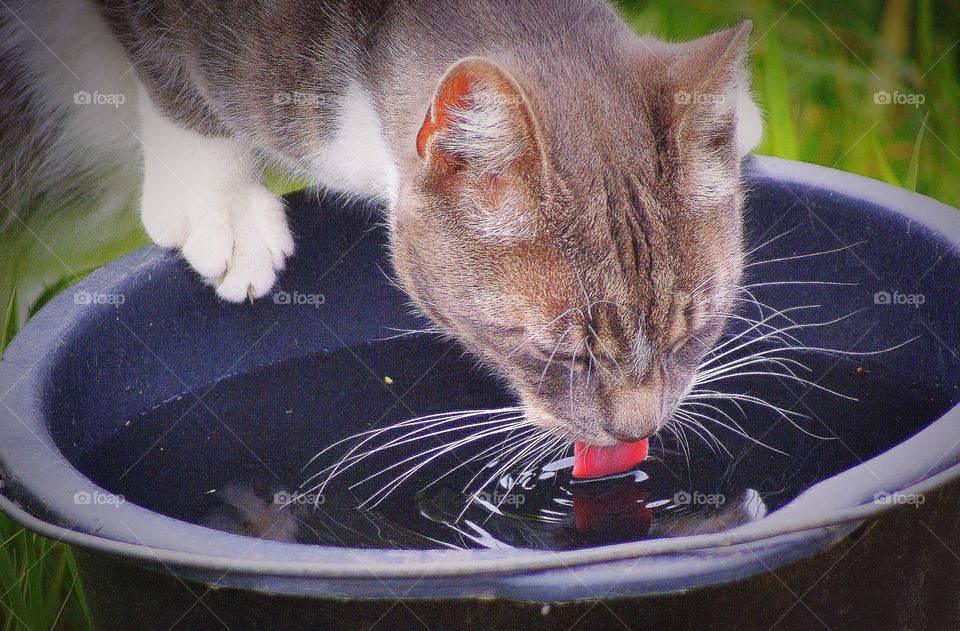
x=549 y=510
x=236 y=462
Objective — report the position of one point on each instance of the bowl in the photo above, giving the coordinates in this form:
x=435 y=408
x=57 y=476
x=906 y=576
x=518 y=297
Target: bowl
x=138 y=411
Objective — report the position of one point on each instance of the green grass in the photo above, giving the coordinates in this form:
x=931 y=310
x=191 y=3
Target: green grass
x=38 y=583
x=818 y=65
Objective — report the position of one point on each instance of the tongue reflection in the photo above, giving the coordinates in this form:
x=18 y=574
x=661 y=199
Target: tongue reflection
x=593 y=461
x=617 y=510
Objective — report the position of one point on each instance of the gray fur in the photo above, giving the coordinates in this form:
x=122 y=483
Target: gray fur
x=626 y=192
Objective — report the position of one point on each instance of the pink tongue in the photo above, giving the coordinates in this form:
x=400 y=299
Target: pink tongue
x=592 y=461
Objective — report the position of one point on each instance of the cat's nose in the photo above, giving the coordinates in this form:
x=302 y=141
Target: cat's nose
x=631 y=428
x=630 y=437
x=633 y=414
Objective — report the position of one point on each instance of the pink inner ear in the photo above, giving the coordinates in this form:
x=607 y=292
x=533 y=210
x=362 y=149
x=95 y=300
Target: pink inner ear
x=426 y=131
x=455 y=92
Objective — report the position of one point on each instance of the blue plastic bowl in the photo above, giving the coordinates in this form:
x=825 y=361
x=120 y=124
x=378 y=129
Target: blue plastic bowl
x=144 y=330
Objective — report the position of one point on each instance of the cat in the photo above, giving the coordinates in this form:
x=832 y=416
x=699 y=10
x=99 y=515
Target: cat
x=563 y=196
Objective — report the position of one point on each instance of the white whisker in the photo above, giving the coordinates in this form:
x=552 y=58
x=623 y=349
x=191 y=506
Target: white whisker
x=805 y=256
x=426 y=423
x=743 y=434
x=771 y=241
x=436 y=452
x=695 y=426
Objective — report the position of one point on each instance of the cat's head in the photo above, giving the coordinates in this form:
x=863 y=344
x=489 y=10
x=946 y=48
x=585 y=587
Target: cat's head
x=582 y=234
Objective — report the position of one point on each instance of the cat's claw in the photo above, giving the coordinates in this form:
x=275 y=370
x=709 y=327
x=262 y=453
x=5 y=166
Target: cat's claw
x=259 y=243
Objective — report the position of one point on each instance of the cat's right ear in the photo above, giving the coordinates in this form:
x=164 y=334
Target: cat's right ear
x=479 y=122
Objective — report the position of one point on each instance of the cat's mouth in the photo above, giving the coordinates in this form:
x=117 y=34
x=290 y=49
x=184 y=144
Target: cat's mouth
x=595 y=456
x=580 y=432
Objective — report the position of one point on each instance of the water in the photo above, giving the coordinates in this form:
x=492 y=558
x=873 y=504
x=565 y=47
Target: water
x=234 y=459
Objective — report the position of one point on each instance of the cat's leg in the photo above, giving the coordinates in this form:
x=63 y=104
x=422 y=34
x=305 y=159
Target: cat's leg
x=204 y=196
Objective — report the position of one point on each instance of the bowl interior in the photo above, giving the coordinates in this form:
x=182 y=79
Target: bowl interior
x=210 y=413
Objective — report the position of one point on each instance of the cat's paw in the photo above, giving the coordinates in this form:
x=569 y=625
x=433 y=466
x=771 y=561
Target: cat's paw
x=238 y=239
x=202 y=195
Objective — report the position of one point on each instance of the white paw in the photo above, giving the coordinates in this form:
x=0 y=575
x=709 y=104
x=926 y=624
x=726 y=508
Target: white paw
x=238 y=239
x=202 y=194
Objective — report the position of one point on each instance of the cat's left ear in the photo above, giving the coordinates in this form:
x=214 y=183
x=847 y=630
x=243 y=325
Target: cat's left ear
x=480 y=122
x=716 y=87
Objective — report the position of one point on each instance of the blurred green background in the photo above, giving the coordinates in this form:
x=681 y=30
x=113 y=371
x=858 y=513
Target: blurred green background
x=819 y=67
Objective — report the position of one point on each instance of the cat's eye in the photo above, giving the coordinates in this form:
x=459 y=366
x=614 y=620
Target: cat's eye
x=562 y=357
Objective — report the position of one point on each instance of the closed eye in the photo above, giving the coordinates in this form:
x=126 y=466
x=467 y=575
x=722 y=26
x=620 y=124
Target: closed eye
x=691 y=347
x=562 y=357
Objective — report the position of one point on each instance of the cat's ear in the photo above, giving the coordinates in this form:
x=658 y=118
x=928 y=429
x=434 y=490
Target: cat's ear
x=479 y=121
x=715 y=91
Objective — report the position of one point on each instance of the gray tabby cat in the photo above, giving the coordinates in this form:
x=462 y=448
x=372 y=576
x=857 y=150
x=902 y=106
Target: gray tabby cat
x=563 y=196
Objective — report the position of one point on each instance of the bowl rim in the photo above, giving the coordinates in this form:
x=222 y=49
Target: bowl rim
x=820 y=515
